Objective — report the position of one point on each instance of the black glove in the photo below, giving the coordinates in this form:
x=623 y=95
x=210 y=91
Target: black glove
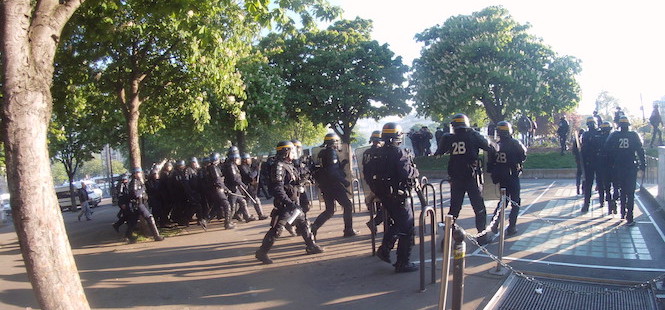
x=346 y=183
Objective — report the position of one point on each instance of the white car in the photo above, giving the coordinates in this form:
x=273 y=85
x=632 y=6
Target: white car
x=64 y=200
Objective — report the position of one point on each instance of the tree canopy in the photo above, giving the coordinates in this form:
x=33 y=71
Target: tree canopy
x=489 y=61
x=339 y=75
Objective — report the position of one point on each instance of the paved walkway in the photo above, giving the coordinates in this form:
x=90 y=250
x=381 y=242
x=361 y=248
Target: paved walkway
x=217 y=270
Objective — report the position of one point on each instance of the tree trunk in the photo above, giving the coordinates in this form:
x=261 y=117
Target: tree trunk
x=29 y=38
x=241 y=141
x=132 y=115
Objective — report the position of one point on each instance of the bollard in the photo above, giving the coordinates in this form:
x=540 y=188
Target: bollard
x=421 y=229
x=441 y=199
x=499 y=270
x=373 y=231
x=445 y=268
x=459 y=252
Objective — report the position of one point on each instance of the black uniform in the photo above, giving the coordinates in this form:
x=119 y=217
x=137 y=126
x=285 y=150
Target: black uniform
x=193 y=196
x=179 y=194
x=655 y=120
x=591 y=144
x=302 y=166
x=391 y=174
x=284 y=180
x=578 y=161
x=122 y=190
x=603 y=175
x=233 y=181
x=505 y=165
x=152 y=187
x=250 y=176
x=333 y=184
x=563 y=131
x=137 y=195
x=464 y=146
x=371 y=199
x=218 y=199
x=626 y=156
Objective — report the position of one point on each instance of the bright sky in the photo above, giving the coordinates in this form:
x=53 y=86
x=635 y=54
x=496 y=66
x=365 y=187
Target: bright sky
x=621 y=43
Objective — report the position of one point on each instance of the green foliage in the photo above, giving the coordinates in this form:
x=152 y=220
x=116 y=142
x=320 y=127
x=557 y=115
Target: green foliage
x=93 y=168
x=546 y=160
x=339 y=75
x=487 y=61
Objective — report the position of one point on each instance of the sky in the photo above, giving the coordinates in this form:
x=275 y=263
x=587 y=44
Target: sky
x=621 y=43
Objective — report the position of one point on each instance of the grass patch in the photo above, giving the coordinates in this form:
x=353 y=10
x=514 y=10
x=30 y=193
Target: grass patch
x=545 y=160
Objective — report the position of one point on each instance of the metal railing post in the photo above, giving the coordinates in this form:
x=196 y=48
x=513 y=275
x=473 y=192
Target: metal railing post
x=445 y=267
x=371 y=222
x=355 y=194
x=441 y=199
x=459 y=253
x=432 y=215
x=499 y=270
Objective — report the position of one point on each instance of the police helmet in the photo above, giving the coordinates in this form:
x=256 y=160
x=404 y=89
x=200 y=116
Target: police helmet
x=591 y=121
x=375 y=137
x=215 y=158
x=606 y=126
x=460 y=120
x=168 y=164
x=504 y=128
x=624 y=121
x=245 y=156
x=233 y=153
x=180 y=163
x=124 y=177
x=391 y=132
x=205 y=160
x=137 y=170
x=194 y=160
x=296 y=142
x=283 y=148
x=330 y=139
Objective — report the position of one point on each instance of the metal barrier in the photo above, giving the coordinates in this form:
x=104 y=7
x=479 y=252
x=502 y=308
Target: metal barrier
x=432 y=216
x=373 y=208
x=650 y=174
x=424 y=180
x=356 y=194
x=441 y=199
x=445 y=268
x=499 y=270
x=426 y=189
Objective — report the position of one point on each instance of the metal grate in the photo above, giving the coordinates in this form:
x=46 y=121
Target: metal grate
x=520 y=294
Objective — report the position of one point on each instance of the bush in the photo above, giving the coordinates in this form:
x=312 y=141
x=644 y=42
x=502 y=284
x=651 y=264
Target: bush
x=546 y=160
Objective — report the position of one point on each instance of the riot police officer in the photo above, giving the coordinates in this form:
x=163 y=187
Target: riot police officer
x=371 y=200
x=179 y=211
x=193 y=194
x=591 y=143
x=302 y=164
x=218 y=197
x=284 y=184
x=249 y=172
x=505 y=164
x=137 y=195
x=233 y=181
x=604 y=180
x=464 y=169
x=391 y=174
x=626 y=156
x=122 y=190
x=333 y=183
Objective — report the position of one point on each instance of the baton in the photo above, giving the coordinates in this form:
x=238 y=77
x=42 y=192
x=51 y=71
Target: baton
x=248 y=195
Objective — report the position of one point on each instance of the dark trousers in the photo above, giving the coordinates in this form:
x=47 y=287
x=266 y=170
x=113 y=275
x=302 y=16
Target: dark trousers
x=625 y=181
x=604 y=185
x=400 y=227
x=457 y=190
x=301 y=223
x=589 y=176
x=562 y=143
x=330 y=195
x=656 y=132
x=513 y=188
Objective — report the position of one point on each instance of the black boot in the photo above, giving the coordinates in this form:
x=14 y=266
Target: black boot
x=153 y=229
x=267 y=243
x=306 y=233
x=228 y=222
x=403 y=263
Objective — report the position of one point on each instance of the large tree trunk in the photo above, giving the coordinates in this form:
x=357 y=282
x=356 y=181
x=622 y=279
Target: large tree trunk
x=241 y=141
x=132 y=115
x=29 y=38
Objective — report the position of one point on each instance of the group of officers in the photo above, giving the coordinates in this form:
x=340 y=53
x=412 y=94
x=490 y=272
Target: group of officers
x=611 y=158
x=216 y=188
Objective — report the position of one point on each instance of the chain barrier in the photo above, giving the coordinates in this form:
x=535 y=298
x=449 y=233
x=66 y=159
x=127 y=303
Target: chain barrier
x=472 y=238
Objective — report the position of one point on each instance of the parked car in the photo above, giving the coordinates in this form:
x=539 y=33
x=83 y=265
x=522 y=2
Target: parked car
x=65 y=202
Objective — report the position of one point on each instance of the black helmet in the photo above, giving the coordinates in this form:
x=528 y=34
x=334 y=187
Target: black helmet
x=180 y=163
x=605 y=126
x=245 y=156
x=296 y=142
x=460 y=120
x=504 y=128
x=330 y=139
x=233 y=152
x=215 y=158
x=624 y=121
x=194 y=160
x=283 y=148
x=205 y=160
x=137 y=170
x=391 y=132
x=375 y=137
x=591 y=121
x=168 y=164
